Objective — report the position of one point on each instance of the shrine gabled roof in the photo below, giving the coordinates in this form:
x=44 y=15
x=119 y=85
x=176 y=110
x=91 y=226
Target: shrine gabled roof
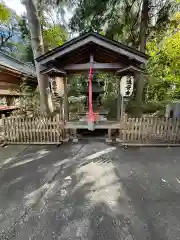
x=105 y=50
x=12 y=64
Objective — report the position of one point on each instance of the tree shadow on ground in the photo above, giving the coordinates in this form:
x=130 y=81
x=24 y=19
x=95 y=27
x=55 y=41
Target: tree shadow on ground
x=95 y=200
x=84 y=204
x=89 y=200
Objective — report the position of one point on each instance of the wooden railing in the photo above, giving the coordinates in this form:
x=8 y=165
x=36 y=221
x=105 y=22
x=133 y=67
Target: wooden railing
x=37 y=130
x=150 y=130
x=50 y=130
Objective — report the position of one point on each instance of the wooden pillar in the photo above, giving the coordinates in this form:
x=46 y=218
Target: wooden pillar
x=66 y=111
x=118 y=101
x=75 y=137
x=61 y=108
x=60 y=92
x=109 y=136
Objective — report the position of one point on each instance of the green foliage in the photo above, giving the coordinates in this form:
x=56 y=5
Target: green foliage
x=116 y=19
x=25 y=48
x=120 y=20
x=30 y=99
x=164 y=63
x=149 y=107
x=4 y=13
x=153 y=106
x=76 y=85
x=110 y=104
x=13 y=27
x=75 y=97
x=52 y=22
x=109 y=98
x=53 y=35
x=89 y=15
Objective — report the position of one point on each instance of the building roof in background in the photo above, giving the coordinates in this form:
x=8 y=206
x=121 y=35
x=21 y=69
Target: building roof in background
x=13 y=64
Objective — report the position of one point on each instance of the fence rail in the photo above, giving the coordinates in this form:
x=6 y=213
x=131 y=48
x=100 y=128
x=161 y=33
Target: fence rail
x=51 y=130
x=47 y=130
x=150 y=130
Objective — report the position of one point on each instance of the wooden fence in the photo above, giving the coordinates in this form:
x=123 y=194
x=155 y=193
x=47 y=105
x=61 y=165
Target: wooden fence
x=50 y=130
x=34 y=130
x=150 y=130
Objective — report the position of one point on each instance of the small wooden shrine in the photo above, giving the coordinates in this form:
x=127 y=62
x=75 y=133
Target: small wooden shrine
x=91 y=53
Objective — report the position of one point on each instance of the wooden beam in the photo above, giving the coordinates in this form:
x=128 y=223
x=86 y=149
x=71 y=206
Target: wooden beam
x=129 y=69
x=106 y=54
x=53 y=71
x=77 y=56
x=84 y=125
x=96 y=66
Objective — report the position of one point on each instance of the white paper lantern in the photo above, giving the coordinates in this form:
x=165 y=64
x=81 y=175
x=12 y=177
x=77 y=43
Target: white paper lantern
x=126 y=86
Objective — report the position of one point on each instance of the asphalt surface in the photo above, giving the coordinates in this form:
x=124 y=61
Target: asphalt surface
x=90 y=191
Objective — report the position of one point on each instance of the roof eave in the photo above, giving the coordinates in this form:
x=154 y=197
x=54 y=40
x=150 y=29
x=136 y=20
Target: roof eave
x=16 y=72
x=97 y=36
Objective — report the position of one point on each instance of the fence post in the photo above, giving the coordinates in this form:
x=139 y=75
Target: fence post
x=175 y=139
x=4 y=132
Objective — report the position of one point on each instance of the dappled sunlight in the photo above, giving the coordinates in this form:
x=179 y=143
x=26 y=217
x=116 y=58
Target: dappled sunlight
x=59 y=188
x=55 y=187
x=30 y=157
x=105 y=186
x=8 y=160
x=36 y=195
x=81 y=195
x=96 y=199
x=98 y=154
x=76 y=228
x=14 y=181
x=84 y=159
x=7 y=216
x=177 y=180
x=61 y=162
x=95 y=196
x=85 y=194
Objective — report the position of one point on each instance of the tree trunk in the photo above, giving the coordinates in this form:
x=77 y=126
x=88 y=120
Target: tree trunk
x=142 y=40
x=38 y=50
x=144 y=25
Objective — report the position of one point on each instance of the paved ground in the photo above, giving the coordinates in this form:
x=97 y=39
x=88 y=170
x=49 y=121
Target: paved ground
x=90 y=191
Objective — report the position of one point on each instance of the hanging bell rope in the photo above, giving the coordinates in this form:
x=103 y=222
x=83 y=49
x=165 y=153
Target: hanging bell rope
x=91 y=116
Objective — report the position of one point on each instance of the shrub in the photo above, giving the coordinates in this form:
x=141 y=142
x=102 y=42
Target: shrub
x=146 y=108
